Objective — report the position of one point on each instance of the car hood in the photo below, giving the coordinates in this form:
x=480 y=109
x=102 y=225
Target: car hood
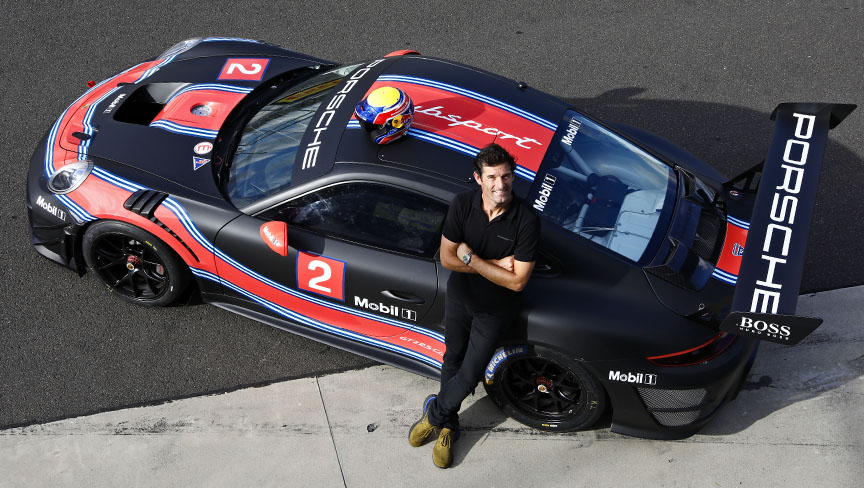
x=163 y=116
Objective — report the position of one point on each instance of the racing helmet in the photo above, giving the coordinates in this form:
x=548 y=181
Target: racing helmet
x=386 y=114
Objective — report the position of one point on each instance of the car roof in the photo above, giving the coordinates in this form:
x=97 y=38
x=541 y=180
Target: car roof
x=458 y=109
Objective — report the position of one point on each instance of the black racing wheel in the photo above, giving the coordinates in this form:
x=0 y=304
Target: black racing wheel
x=134 y=264
x=547 y=390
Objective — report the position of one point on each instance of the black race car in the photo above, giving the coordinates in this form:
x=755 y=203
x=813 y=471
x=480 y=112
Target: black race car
x=234 y=169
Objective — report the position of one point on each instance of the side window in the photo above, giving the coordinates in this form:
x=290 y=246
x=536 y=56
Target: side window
x=373 y=214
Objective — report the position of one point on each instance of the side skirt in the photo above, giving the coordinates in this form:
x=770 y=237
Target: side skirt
x=397 y=360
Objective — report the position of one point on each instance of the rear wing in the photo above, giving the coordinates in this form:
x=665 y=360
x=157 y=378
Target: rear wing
x=766 y=293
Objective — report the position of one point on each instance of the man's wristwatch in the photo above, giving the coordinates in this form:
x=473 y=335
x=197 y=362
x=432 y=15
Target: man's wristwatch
x=467 y=258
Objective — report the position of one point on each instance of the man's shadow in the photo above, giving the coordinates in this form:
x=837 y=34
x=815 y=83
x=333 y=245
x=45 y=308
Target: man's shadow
x=483 y=418
x=475 y=424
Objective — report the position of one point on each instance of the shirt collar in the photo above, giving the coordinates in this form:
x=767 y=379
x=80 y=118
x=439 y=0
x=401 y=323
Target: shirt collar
x=477 y=203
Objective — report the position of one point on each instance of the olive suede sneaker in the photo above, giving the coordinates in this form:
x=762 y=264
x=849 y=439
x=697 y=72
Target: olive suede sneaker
x=442 y=453
x=420 y=431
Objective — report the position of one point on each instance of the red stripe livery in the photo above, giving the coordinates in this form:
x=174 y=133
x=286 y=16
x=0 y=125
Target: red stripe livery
x=474 y=122
x=733 y=249
x=220 y=104
x=105 y=200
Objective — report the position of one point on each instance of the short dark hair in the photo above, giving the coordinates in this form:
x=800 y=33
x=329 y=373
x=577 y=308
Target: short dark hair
x=493 y=155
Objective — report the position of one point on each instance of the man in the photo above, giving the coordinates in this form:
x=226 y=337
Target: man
x=489 y=241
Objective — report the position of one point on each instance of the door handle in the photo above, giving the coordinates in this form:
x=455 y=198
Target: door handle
x=403 y=297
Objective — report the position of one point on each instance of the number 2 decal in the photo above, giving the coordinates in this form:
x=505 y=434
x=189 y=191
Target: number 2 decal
x=251 y=69
x=313 y=282
x=321 y=275
x=246 y=71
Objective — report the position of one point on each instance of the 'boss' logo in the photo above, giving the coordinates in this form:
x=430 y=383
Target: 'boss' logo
x=760 y=326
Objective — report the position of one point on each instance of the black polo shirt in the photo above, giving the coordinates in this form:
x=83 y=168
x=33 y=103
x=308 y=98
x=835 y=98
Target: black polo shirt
x=516 y=232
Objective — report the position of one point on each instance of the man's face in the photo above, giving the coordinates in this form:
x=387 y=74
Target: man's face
x=496 y=183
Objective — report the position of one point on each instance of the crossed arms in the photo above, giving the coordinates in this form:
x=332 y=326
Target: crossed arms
x=506 y=272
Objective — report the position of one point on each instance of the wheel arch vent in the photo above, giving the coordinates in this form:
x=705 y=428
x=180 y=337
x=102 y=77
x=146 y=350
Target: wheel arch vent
x=144 y=203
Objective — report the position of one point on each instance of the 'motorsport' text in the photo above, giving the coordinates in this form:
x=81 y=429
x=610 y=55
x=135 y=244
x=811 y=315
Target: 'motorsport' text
x=456 y=120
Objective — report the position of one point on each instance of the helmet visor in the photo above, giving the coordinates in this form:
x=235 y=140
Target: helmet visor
x=370 y=127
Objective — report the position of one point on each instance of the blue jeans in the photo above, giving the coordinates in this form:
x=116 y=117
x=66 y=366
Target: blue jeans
x=471 y=338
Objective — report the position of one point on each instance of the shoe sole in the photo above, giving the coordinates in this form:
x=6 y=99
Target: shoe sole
x=423 y=414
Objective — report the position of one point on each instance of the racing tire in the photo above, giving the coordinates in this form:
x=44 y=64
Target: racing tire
x=134 y=264
x=546 y=390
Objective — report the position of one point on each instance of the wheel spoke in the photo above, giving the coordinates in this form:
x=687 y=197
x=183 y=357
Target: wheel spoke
x=533 y=369
x=149 y=288
x=568 y=378
x=570 y=385
x=121 y=280
x=558 y=406
x=110 y=265
x=543 y=403
x=559 y=393
x=520 y=376
x=531 y=395
x=108 y=254
x=136 y=290
x=109 y=242
x=135 y=284
x=153 y=277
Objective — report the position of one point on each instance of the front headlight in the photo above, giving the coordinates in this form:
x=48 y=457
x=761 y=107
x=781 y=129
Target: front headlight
x=180 y=47
x=69 y=177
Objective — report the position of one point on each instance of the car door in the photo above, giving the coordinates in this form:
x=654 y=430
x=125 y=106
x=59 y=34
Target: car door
x=359 y=259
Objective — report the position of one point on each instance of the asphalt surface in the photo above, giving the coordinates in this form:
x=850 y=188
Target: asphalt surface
x=796 y=423
x=705 y=76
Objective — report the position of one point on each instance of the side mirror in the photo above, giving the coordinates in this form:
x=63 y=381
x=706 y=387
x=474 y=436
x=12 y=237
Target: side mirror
x=275 y=234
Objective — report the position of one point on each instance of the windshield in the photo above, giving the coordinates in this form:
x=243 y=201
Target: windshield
x=603 y=188
x=264 y=160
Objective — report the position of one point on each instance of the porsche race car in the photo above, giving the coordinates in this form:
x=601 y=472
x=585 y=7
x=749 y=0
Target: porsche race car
x=234 y=169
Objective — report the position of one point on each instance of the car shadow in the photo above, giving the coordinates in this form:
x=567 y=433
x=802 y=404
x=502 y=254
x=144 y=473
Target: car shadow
x=732 y=139
x=817 y=367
